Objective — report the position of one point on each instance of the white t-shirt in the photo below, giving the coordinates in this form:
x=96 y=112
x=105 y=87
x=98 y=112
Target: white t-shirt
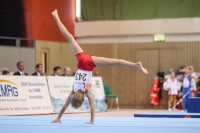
x=172 y=86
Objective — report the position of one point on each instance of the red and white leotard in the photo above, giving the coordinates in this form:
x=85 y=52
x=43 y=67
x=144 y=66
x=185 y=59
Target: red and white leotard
x=83 y=76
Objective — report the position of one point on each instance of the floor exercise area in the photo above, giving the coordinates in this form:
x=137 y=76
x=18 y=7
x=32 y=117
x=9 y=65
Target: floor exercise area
x=41 y=124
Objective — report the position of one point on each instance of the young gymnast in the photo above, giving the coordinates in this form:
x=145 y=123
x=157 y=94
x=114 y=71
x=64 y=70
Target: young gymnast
x=193 y=82
x=83 y=77
x=187 y=84
x=173 y=86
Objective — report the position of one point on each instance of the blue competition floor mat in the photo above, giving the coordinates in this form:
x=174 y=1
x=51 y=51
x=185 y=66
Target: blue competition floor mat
x=169 y=115
x=41 y=124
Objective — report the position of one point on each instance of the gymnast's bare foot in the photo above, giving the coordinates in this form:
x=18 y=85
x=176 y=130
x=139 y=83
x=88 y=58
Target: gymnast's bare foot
x=56 y=121
x=139 y=65
x=55 y=14
x=91 y=122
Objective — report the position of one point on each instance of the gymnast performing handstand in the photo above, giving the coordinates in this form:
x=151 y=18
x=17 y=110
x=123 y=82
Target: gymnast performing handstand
x=83 y=77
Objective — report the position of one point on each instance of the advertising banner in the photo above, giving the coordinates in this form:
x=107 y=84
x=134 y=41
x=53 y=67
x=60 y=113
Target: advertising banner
x=22 y=95
x=60 y=87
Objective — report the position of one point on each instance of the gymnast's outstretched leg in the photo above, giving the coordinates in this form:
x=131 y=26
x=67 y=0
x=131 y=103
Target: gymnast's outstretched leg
x=73 y=44
x=101 y=61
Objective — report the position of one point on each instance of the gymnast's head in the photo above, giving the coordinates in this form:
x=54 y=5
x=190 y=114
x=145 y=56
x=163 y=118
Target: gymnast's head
x=187 y=69
x=77 y=99
x=172 y=74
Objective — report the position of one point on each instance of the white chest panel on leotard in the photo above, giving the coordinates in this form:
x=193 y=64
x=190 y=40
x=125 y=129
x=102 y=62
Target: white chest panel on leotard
x=82 y=76
x=186 y=82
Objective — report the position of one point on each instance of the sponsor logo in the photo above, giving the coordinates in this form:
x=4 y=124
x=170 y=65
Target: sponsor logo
x=8 y=89
x=97 y=84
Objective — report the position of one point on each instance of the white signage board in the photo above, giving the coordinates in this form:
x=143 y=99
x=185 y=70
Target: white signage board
x=22 y=95
x=60 y=87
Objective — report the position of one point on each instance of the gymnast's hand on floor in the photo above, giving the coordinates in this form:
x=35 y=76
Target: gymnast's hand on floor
x=139 y=65
x=91 y=122
x=56 y=121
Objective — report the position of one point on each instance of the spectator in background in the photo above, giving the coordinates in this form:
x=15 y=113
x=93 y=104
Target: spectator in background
x=193 y=82
x=186 y=90
x=172 y=85
x=67 y=72
x=39 y=69
x=5 y=72
x=96 y=73
x=57 y=71
x=181 y=70
x=73 y=74
x=20 y=66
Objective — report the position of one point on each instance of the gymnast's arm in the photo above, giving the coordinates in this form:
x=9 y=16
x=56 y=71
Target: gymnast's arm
x=63 y=108
x=196 y=79
x=62 y=28
x=91 y=101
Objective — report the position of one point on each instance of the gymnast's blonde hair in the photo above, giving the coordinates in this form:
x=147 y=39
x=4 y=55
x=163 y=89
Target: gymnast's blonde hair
x=77 y=100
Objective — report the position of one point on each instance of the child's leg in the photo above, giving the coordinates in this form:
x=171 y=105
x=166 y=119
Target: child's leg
x=184 y=91
x=170 y=101
x=73 y=44
x=174 y=100
x=101 y=61
x=193 y=94
x=188 y=96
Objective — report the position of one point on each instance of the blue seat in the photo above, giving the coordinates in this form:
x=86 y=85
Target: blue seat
x=193 y=105
x=198 y=94
x=190 y=105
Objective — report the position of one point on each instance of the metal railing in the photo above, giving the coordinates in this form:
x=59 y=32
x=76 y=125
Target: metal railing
x=18 y=42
